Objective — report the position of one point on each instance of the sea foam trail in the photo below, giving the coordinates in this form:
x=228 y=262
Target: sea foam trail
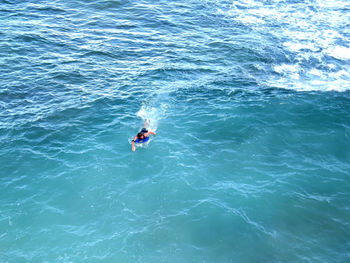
x=152 y=114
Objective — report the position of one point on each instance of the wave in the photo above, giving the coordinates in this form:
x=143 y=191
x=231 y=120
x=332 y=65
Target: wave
x=312 y=40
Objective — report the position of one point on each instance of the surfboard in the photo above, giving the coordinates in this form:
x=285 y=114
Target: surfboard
x=142 y=141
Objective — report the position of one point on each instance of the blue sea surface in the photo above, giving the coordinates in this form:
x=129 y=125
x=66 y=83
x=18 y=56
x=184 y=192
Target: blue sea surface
x=250 y=102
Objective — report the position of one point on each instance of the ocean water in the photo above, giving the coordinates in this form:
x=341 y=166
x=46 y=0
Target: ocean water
x=250 y=101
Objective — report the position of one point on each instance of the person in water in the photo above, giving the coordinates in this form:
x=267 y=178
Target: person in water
x=141 y=136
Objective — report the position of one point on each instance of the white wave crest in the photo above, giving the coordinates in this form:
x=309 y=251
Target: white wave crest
x=339 y=52
x=311 y=37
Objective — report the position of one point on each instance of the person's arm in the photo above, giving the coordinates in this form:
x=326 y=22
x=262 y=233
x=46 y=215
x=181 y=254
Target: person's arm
x=150 y=132
x=133 y=144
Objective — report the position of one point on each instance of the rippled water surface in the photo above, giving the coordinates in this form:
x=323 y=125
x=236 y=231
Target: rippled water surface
x=250 y=102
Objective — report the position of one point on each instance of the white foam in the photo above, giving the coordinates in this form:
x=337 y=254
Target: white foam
x=339 y=52
x=250 y=20
x=311 y=36
x=152 y=115
x=320 y=81
x=331 y=66
x=341 y=74
x=297 y=46
x=288 y=70
x=316 y=72
x=330 y=4
x=294 y=76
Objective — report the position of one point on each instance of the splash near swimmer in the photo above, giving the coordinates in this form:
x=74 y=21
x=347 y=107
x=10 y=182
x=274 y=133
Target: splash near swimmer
x=151 y=116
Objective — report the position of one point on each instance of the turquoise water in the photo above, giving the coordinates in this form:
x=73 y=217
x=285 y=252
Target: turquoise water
x=250 y=102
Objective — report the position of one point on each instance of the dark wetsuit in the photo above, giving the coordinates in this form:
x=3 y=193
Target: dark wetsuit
x=143 y=131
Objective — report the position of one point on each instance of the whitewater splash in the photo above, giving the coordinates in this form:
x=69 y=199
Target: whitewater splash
x=313 y=43
x=152 y=114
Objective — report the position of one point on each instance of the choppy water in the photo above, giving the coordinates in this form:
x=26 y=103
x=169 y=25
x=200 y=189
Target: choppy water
x=250 y=102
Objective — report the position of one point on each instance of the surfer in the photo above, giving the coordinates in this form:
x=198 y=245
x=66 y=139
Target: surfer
x=142 y=136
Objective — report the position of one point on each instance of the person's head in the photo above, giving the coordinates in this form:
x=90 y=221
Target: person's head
x=140 y=136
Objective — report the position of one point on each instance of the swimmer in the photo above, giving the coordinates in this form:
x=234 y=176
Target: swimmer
x=142 y=136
